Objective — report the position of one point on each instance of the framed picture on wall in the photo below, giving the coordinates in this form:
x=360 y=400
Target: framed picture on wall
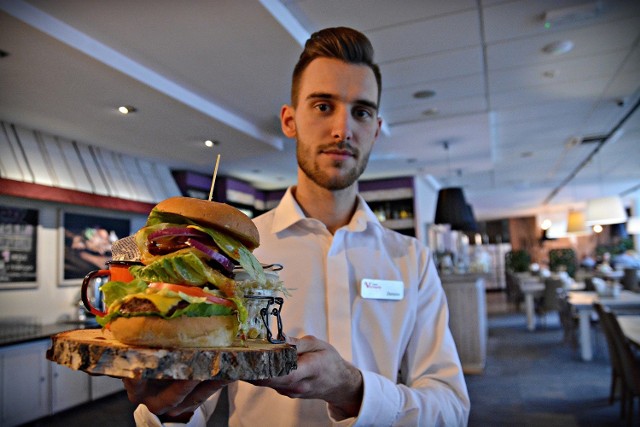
x=18 y=247
x=86 y=244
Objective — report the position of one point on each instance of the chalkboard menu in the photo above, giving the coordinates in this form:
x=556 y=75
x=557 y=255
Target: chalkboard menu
x=18 y=244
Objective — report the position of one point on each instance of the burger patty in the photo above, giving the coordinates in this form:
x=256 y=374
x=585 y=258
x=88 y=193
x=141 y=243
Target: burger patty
x=138 y=305
x=141 y=305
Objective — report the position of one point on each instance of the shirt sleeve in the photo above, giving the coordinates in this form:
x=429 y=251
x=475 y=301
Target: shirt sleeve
x=145 y=418
x=434 y=392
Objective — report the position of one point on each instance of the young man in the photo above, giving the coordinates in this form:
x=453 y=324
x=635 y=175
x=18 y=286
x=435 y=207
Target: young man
x=361 y=360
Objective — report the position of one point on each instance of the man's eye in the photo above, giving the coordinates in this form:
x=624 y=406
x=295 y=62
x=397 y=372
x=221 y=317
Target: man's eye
x=323 y=107
x=362 y=113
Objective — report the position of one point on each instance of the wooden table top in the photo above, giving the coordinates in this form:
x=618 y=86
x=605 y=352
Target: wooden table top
x=630 y=325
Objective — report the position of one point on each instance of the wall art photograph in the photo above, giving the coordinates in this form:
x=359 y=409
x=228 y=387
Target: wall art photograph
x=18 y=244
x=87 y=243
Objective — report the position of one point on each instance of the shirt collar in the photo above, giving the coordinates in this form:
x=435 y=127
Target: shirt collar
x=288 y=212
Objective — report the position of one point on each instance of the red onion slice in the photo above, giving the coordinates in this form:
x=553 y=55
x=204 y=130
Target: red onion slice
x=225 y=262
x=175 y=232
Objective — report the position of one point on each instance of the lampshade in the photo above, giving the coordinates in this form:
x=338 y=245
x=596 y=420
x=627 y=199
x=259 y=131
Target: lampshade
x=473 y=225
x=576 y=225
x=633 y=225
x=452 y=209
x=605 y=210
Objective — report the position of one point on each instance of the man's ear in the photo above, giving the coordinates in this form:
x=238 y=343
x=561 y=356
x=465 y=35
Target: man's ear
x=287 y=122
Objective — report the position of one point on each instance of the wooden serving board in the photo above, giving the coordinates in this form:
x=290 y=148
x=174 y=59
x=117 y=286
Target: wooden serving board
x=95 y=351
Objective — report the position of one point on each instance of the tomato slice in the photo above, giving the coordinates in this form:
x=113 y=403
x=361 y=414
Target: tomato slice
x=193 y=291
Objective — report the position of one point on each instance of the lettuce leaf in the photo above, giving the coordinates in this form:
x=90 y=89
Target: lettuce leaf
x=230 y=246
x=237 y=251
x=114 y=291
x=182 y=267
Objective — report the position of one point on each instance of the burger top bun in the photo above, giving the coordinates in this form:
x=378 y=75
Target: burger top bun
x=214 y=214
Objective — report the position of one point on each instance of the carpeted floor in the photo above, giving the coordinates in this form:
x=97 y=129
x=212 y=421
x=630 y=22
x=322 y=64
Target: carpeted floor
x=531 y=379
x=534 y=379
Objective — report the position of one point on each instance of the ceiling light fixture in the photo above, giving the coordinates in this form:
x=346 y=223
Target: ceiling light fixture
x=605 y=210
x=576 y=225
x=558 y=47
x=423 y=94
x=211 y=142
x=451 y=207
x=127 y=109
x=633 y=225
x=430 y=112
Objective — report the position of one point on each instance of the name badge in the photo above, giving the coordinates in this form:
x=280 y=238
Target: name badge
x=382 y=289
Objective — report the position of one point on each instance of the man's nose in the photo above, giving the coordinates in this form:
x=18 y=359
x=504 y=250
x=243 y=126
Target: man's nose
x=342 y=126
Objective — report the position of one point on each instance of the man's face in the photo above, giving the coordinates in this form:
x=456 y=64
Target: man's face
x=335 y=122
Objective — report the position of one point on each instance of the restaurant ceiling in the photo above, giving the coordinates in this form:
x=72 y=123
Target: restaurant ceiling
x=518 y=120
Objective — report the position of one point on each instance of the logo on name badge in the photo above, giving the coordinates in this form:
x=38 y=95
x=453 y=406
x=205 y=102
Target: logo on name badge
x=382 y=289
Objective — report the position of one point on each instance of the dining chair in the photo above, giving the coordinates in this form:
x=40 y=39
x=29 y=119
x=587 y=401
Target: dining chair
x=568 y=319
x=630 y=279
x=614 y=357
x=549 y=302
x=514 y=293
x=630 y=366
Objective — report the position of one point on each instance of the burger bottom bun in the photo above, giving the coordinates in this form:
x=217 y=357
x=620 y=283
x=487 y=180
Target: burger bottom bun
x=151 y=331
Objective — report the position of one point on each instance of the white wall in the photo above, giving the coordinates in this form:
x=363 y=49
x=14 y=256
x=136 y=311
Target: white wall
x=48 y=301
x=425 y=190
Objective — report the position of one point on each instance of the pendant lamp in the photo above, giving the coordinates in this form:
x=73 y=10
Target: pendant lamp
x=471 y=224
x=576 y=224
x=633 y=225
x=452 y=208
x=605 y=210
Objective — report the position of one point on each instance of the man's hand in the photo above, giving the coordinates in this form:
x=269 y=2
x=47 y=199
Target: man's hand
x=171 y=400
x=321 y=374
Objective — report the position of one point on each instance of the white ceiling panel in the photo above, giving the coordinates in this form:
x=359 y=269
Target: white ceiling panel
x=221 y=70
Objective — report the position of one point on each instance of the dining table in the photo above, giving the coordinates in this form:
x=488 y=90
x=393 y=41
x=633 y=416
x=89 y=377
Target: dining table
x=630 y=325
x=532 y=286
x=610 y=275
x=582 y=302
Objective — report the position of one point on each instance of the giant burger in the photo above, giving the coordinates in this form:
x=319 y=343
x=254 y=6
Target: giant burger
x=184 y=293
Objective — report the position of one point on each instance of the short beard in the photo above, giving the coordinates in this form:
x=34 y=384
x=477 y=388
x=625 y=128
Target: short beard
x=315 y=174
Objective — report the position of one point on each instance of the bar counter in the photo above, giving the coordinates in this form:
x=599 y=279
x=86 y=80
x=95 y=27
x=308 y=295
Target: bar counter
x=17 y=333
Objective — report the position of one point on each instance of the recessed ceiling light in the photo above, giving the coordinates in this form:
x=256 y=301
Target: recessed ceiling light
x=127 y=109
x=422 y=94
x=559 y=47
x=211 y=142
x=430 y=112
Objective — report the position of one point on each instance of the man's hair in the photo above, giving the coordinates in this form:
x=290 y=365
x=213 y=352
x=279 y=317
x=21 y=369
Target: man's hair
x=345 y=44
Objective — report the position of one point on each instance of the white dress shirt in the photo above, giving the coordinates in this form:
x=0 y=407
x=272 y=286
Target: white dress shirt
x=404 y=349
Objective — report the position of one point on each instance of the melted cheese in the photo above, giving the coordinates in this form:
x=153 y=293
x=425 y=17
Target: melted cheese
x=162 y=302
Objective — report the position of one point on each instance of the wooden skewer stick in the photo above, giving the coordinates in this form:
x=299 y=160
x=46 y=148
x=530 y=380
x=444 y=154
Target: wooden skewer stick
x=213 y=180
